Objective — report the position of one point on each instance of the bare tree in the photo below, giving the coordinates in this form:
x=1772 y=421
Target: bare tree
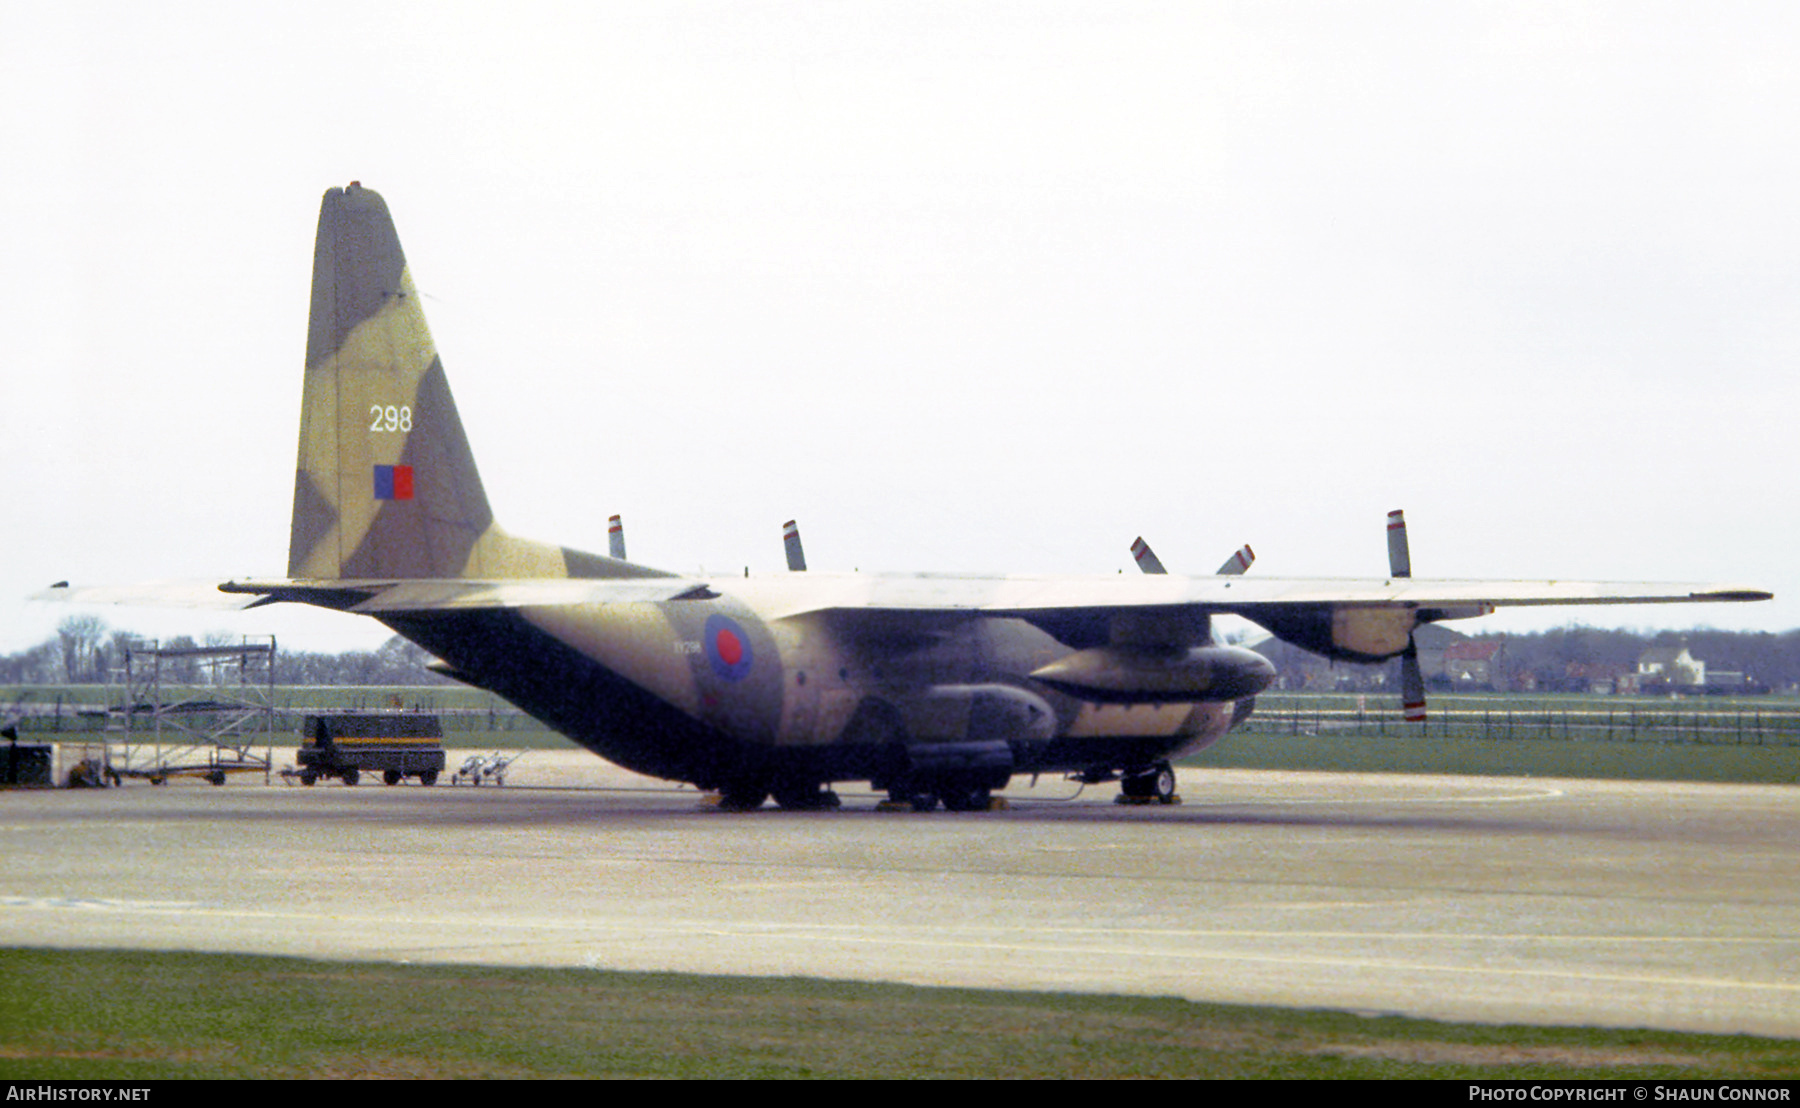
x=80 y=637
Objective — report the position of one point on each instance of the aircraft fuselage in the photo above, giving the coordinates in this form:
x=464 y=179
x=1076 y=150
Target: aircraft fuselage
x=728 y=689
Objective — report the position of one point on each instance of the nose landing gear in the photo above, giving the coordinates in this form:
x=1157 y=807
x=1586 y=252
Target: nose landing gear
x=1152 y=785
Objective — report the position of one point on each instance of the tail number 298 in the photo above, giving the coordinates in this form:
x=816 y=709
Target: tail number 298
x=390 y=418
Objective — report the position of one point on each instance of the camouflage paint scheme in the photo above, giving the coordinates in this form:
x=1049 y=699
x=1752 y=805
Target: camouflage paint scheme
x=926 y=686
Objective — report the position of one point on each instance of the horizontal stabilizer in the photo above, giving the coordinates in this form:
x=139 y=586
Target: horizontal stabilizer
x=149 y=594
x=389 y=595
x=461 y=594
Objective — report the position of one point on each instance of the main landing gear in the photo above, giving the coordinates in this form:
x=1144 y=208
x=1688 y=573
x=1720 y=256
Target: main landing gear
x=809 y=797
x=813 y=797
x=749 y=796
x=954 y=798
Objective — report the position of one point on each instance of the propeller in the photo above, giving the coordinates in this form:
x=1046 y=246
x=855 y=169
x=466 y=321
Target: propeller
x=790 y=537
x=1412 y=679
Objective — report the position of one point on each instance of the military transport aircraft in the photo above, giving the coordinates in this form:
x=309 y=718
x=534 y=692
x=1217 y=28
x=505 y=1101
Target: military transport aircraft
x=937 y=689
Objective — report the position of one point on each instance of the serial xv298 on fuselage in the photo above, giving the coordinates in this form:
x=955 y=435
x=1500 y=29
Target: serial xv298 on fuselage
x=933 y=688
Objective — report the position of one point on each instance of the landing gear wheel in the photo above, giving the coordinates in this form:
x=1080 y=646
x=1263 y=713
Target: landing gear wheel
x=351 y=777
x=1154 y=784
x=216 y=777
x=390 y=777
x=967 y=799
x=1163 y=787
x=904 y=795
x=429 y=777
x=309 y=778
x=807 y=798
x=742 y=798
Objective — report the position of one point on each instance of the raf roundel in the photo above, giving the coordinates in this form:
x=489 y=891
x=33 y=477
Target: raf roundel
x=727 y=648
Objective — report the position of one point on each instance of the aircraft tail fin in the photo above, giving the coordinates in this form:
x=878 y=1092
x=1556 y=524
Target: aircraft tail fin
x=386 y=484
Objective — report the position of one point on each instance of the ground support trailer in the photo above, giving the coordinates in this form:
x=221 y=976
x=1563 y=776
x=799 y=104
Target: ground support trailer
x=347 y=745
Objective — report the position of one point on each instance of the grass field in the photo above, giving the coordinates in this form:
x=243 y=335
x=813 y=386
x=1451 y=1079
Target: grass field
x=1749 y=740
x=137 y=1016
x=1492 y=758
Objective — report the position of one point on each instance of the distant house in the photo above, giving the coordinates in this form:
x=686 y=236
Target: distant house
x=1456 y=659
x=1473 y=663
x=1602 y=678
x=1671 y=664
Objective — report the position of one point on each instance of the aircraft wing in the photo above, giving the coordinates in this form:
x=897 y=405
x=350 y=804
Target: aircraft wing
x=1022 y=596
x=1357 y=619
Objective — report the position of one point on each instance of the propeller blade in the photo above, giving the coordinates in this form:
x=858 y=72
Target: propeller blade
x=790 y=537
x=1238 y=562
x=615 y=537
x=1412 y=678
x=1146 y=557
x=1399 y=557
x=1412 y=685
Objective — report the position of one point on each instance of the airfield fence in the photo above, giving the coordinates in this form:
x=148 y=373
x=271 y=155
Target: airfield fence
x=81 y=710
x=1697 y=724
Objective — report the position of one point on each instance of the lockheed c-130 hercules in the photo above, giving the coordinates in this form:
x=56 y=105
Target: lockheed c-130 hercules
x=932 y=688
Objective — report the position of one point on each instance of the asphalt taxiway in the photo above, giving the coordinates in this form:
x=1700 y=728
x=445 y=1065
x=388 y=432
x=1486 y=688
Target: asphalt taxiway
x=1494 y=899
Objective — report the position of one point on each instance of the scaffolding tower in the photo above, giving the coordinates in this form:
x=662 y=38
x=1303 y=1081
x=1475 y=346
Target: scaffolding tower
x=194 y=711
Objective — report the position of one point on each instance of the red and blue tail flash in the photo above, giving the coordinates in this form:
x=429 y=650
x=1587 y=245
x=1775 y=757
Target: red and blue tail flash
x=393 y=483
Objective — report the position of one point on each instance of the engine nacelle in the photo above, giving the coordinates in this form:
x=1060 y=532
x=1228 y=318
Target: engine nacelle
x=1159 y=675
x=981 y=714
x=1345 y=633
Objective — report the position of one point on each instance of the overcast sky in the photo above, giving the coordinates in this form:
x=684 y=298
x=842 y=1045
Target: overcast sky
x=961 y=286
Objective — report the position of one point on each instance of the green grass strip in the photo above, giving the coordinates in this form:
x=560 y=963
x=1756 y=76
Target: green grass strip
x=141 y=1015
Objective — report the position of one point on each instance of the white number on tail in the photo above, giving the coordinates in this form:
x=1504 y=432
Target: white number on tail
x=390 y=418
